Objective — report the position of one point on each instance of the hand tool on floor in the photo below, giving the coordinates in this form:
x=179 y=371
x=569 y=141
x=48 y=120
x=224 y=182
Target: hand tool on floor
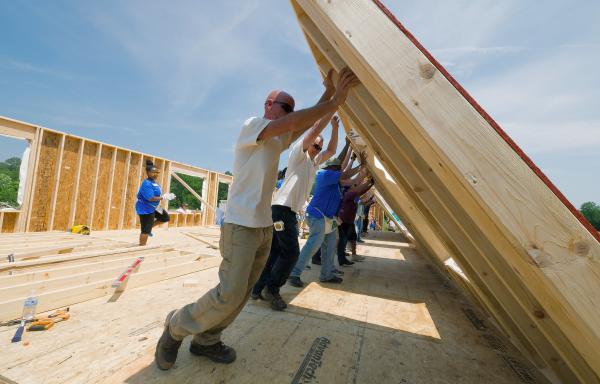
x=117 y=283
x=44 y=323
x=28 y=314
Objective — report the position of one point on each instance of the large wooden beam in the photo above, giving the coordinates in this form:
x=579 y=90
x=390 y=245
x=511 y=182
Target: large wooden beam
x=402 y=161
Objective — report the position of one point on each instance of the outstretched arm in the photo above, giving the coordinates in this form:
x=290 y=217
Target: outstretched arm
x=298 y=121
x=333 y=141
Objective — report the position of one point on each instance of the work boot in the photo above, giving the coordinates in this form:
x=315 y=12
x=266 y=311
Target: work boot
x=275 y=299
x=295 y=281
x=219 y=352
x=358 y=258
x=167 y=347
x=256 y=296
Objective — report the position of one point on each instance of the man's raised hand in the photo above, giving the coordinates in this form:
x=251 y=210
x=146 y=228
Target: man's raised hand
x=347 y=80
x=335 y=122
x=328 y=83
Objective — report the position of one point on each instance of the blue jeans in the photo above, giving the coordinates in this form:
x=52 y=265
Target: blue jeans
x=317 y=239
x=358 y=223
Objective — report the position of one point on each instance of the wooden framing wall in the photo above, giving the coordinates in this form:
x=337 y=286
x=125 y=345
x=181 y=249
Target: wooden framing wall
x=530 y=258
x=73 y=180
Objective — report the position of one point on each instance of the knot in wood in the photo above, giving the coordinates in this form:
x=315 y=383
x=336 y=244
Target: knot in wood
x=427 y=70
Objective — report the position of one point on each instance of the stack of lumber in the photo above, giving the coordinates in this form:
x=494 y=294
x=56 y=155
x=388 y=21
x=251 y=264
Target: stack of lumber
x=464 y=189
x=63 y=269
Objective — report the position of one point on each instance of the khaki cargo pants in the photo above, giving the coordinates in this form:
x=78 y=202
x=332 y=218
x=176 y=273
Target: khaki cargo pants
x=245 y=251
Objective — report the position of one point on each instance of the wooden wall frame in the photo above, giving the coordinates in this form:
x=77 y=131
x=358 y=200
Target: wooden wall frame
x=73 y=180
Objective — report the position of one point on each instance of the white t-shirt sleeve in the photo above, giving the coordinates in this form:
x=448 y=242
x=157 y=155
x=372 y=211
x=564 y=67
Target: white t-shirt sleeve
x=250 y=132
x=297 y=153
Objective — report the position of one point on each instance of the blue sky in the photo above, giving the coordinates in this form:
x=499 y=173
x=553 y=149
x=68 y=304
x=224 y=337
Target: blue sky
x=177 y=79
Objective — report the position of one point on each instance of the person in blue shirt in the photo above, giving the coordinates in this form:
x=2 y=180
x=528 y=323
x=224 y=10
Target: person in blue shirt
x=148 y=203
x=320 y=213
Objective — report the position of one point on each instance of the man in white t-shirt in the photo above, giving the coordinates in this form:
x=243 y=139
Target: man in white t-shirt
x=305 y=157
x=247 y=232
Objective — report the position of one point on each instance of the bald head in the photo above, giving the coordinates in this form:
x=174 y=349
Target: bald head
x=278 y=104
x=281 y=96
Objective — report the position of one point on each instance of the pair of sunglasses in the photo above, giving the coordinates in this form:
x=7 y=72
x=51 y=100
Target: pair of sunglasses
x=317 y=147
x=285 y=106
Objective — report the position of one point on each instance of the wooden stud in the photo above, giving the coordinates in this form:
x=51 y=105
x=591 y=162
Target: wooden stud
x=59 y=159
x=95 y=188
x=124 y=195
x=110 y=188
x=74 y=197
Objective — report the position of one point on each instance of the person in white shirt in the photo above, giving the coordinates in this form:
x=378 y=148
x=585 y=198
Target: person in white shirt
x=305 y=158
x=247 y=232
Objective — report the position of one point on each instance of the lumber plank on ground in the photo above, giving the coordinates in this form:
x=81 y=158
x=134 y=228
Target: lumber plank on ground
x=101 y=272
x=18 y=265
x=66 y=269
x=12 y=309
x=210 y=245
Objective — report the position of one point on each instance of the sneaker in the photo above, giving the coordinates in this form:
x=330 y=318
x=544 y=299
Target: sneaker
x=275 y=299
x=347 y=263
x=295 y=281
x=358 y=258
x=167 y=347
x=219 y=352
x=360 y=241
x=316 y=261
x=333 y=280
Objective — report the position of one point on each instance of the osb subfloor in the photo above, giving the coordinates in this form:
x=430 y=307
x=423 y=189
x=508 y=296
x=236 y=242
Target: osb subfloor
x=392 y=320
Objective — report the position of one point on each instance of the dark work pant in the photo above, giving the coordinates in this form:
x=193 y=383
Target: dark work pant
x=344 y=231
x=365 y=226
x=317 y=257
x=284 y=251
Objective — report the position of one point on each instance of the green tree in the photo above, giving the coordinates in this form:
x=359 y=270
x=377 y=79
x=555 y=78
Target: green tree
x=9 y=181
x=185 y=196
x=591 y=211
x=223 y=191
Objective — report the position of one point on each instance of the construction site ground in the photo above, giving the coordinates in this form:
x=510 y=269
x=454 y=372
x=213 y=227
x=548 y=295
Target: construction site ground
x=394 y=319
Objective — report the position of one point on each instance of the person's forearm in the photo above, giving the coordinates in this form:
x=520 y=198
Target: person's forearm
x=342 y=155
x=327 y=94
x=350 y=173
x=298 y=121
x=361 y=189
x=316 y=130
x=333 y=141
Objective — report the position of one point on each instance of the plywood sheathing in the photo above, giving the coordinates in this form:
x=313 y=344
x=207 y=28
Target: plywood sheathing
x=45 y=175
x=132 y=187
x=118 y=186
x=67 y=184
x=392 y=320
x=103 y=187
x=86 y=184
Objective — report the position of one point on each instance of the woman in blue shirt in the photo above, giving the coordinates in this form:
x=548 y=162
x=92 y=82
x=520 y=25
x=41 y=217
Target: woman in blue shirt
x=148 y=203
